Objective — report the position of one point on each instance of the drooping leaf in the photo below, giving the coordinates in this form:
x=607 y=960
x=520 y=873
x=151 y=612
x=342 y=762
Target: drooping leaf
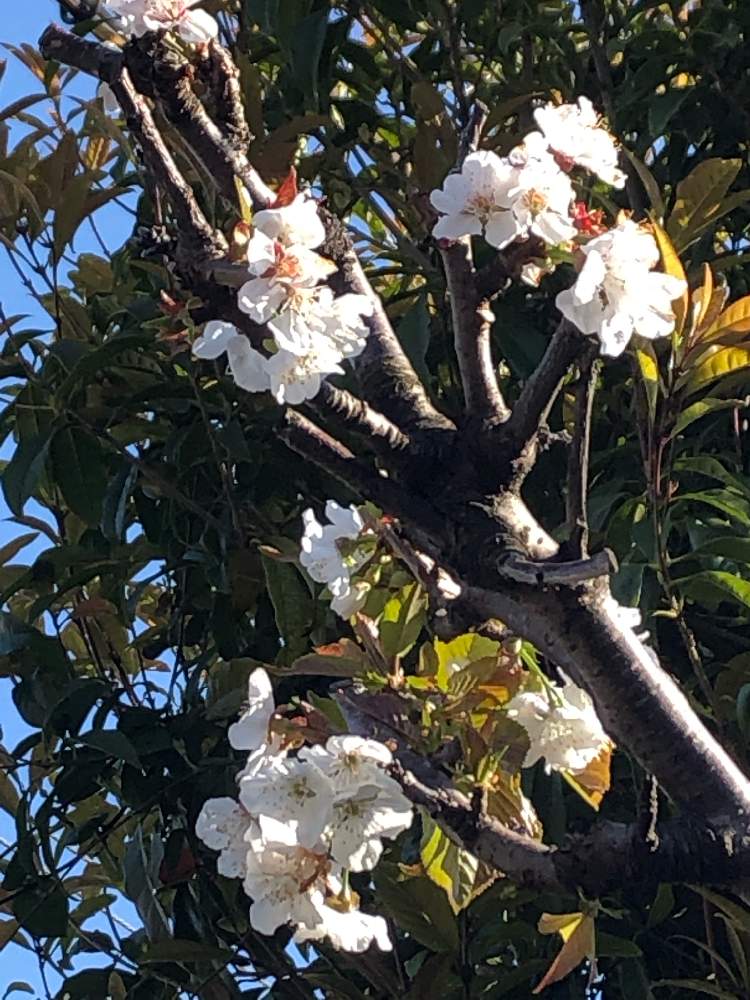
x=579 y=944
x=79 y=468
x=21 y=475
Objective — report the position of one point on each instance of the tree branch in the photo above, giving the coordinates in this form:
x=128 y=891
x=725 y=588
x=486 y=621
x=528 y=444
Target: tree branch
x=520 y=434
x=167 y=77
x=387 y=377
x=199 y=241
x=576 y=544
x=315 y=445
x=472 y=325
x=582 y=630
x=383 y=435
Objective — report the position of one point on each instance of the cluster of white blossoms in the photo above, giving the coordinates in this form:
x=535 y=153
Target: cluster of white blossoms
x=617 y=294
x=331 y=553
x=562 y=726
x=301 y=824
x=136 y=17
x=311 y=330
x=529 y=193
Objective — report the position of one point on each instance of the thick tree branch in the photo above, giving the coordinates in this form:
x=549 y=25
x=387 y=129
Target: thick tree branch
x=641 y=707
x=168 y=77
x=200 y=242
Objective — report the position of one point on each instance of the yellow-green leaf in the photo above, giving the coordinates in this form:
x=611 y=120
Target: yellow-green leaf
x=672 y=264
x=699 y=199
x=455 y=870
x=649 y=368
x=579 y=944
x=718 y=364
x=734 y=319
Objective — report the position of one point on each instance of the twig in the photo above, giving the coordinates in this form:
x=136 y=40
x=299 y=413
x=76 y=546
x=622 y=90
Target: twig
x=576 y=546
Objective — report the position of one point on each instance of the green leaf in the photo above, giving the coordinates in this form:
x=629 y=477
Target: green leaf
x=414 y=334
x=454 y=869
x=662 y=107
x=743 y=709
x=9 y=797
x=21 y=475
x=78 y=463
x=42 y=909
x=292 y=605
x=115 y=503
x=662 y=905
x=611 y=946
x=13 y=547
x=722 y=500
x=402 y=620
x=113 y=743
x=305 y=50
x=699 y=197
x=143 y=856
x=18 y=987
x=419 y=908
x=701 y=409
x=714 y=586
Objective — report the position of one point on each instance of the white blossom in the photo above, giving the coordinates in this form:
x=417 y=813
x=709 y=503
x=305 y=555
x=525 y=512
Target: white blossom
x=575 y=133
x=278 y=272
x=351 y=761
x=223 y=825
x=296 y=224
x=344 y=318
x=541 y=200
x=286 y=884
x=562 y=726
x=617 y=294
x=476 y=201
x=136 y=17
x=250 y=732
x=295 y=794
x=247 y=366
x=362 y=818
x=347 y=929
x=330 y=555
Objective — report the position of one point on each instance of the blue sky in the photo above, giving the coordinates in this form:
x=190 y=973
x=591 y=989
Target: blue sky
x=23 y=22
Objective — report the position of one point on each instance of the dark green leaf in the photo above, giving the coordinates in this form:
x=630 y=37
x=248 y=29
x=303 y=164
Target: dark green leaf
x=21 y=475
x=113 y=743
x=79 y=468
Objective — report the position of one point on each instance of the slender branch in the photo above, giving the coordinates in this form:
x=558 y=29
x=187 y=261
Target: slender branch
x=200 y=242
x=609 y=856
x=472 y=325
x=576 y=546
x=230 y=110
x=521 y=433
x=470 y=312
